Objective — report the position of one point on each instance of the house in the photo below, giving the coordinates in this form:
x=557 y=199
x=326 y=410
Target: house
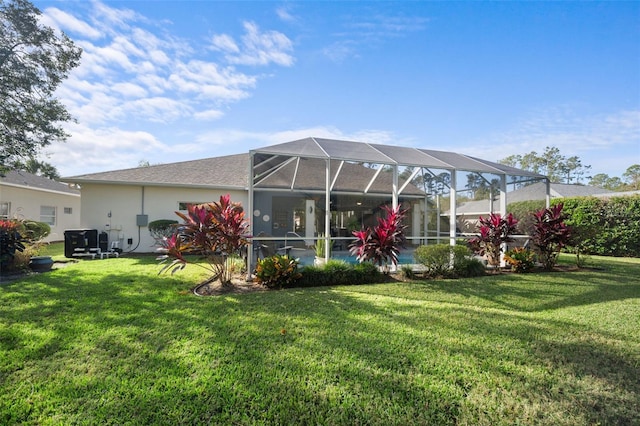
x=469 y=212
x=27 y=196
x=294 y=192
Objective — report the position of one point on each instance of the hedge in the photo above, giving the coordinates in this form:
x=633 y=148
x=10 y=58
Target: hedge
x=607 y=227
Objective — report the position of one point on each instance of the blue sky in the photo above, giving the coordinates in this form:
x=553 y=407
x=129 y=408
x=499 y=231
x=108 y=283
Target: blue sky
x=166 y=81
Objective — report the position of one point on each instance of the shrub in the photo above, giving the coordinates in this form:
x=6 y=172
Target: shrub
x=381 y=245
x=468 y=267
x=550 y=235
x=437 y=259
x=406 y=271
x=337 y=272
x=161 y=229
x=608 y=227
x=494 y=232
x=277 y=271
x=522 y=211
x=521 y=259
x=11 y=242
x=34 y=231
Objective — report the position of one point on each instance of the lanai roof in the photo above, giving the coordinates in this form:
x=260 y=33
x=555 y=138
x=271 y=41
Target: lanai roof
x=389 y=154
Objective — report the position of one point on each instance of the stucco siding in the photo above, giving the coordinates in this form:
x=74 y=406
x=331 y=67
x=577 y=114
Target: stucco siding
x=114 y=209
x=26 y=204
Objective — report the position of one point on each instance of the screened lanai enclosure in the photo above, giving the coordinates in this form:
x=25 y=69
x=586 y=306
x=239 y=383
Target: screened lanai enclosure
x=313 y=189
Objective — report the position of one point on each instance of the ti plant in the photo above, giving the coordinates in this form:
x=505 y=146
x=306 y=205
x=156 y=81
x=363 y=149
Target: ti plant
x=381 y=245
x=214 y=231
x=550 y=234
x=11 y=241
x=494 y=230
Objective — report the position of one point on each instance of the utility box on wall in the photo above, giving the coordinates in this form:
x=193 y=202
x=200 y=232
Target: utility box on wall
x=142 y=220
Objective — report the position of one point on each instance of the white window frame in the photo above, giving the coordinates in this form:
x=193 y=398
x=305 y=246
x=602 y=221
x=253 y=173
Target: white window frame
x=47 y=217
x=5 y=206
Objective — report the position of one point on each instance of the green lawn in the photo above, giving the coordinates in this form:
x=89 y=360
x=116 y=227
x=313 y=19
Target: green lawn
x=110 y=342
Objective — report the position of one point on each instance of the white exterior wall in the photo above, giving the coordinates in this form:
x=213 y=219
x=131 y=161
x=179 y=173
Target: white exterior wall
x=125 y=202
x=26 y=202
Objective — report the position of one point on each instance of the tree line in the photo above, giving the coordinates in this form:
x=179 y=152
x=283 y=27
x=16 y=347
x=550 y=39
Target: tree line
x=562 y=169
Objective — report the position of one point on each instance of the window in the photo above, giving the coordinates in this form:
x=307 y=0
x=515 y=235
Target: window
x=182 y=205
x=5 y=210
x=68 y=210
x=48 y=215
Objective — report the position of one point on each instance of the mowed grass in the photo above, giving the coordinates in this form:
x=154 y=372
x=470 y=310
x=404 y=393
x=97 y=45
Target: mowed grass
x=110 y=342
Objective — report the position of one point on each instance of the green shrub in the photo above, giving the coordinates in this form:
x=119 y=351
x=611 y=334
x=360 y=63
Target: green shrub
x=35 y=231
x=467 y=267
x=337 y=272
x=608 y=227
x=162 y=228
x=277 y=271
x=521 y=259
x=437 y=259
x=523 y=210
x=407 y=272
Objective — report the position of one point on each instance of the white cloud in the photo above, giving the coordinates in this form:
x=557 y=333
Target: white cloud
x=69 y=23
x=208 y=115
x=615 y=136
x=284 y=13
x=258 y=48
x=103 y=149
x=129 y=90
x=224 y=43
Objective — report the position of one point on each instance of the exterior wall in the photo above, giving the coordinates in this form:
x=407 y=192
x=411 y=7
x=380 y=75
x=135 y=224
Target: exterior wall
x=26 y=202
x=114 y=209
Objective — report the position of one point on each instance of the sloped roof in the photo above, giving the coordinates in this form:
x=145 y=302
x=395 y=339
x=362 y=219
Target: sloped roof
x=20 y=178
x=535 y=191
x=389 y=154
x=230 y=171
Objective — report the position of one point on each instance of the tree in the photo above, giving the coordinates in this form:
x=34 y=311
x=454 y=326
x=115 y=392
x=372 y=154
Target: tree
x=39 y=168
x=34 y=60
x=550 y=163
x=632 y=176
x=603 y=180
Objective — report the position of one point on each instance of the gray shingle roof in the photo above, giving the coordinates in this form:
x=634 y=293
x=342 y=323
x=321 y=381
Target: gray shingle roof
x=28 y=180
x=229 y=171
x=532 y=192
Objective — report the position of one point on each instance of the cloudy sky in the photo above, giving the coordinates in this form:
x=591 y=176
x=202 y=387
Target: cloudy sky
x=166 y=81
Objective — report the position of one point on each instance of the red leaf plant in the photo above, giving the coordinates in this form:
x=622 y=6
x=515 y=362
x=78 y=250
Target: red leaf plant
x=381 y=245
x=494 y=230
x=550 y=234
x=213 y=231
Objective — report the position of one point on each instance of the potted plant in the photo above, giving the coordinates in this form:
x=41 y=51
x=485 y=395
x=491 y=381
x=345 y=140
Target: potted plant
x=35 y=232
x=320 y=249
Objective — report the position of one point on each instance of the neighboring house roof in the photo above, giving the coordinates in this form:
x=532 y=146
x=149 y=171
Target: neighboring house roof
x=536 y=191
x=22 y=179
x=618 y=194
x=229 y=171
